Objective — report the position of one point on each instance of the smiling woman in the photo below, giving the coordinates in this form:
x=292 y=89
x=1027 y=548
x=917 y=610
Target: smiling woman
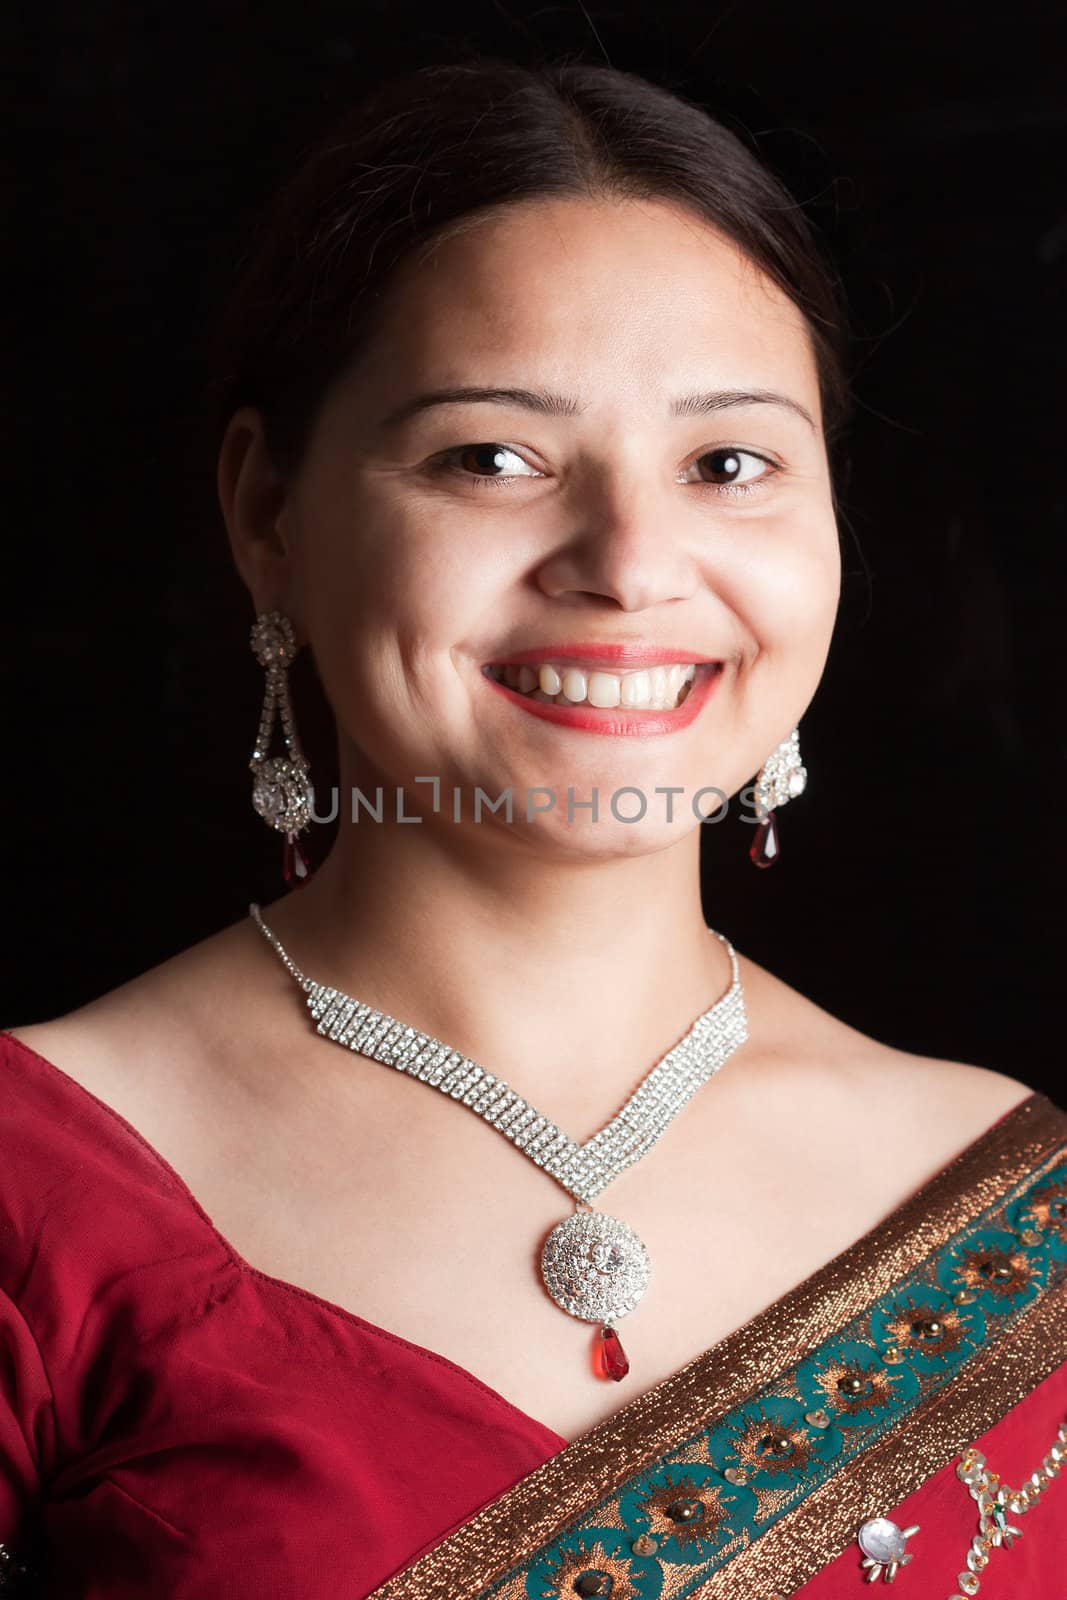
x=530 y=397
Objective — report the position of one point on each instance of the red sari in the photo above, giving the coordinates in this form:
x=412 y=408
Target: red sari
x=175 y=1423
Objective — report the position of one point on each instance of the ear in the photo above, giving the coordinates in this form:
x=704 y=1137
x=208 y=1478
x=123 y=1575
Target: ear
x=253 y=497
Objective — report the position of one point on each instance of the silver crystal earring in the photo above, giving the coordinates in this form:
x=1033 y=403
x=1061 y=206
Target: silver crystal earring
x=281 y=789
x=781 y=778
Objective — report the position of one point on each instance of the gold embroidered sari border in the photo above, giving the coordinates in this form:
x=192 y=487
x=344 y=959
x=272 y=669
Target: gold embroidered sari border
x=823 y=1524
x=519 y=1522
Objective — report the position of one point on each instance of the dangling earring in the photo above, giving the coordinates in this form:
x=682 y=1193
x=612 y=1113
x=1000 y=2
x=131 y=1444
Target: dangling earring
x=781 y=778
x=281 y=789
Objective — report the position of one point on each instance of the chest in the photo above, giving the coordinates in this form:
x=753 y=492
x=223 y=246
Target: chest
x=416 y=1216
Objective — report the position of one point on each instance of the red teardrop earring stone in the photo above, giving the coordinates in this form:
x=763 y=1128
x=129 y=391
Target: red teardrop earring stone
x=765 y=848
x=613 y=1361
x=296 y=868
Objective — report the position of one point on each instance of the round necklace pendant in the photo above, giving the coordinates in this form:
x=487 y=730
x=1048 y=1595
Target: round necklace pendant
x=595 y=1266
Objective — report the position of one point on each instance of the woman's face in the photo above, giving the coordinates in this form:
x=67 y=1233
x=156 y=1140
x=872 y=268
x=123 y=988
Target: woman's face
x=614 y=514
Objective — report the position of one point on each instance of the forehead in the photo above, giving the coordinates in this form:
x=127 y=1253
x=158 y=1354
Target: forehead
x=562 y=288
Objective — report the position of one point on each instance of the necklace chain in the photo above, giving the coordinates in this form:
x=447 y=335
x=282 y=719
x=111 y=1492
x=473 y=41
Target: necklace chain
x=583 y=1170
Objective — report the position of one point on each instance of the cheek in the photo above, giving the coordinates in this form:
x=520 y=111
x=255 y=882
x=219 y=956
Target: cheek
x=414 y=574
x=791 y=586
x=386 y=603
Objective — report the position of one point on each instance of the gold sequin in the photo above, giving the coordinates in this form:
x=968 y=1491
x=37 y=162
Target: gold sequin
x=853 y=1389
x=917 y=1327
x=1003 y=1274
x=661 y=1505
x=760 y=1444
x=573 y=1566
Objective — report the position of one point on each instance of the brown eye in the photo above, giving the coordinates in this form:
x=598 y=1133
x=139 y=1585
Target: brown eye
x=726 y=467
x=482 y=458
x=478 y=463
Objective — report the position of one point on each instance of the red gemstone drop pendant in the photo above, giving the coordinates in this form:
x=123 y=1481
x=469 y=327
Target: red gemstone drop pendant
x=765 y=848
x=613 y=1362
x=296 y=868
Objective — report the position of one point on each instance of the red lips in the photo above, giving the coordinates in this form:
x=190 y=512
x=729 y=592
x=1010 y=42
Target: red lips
x=634 y=653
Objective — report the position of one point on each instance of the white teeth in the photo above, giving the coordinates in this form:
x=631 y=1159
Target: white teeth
x=604 y=689
x=636 y=689
x=574 y=685
x=650 y=689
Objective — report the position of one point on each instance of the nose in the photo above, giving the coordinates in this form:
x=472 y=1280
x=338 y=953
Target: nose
x=626 y=554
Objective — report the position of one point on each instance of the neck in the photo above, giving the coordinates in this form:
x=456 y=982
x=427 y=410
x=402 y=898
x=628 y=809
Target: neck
x=565 y=976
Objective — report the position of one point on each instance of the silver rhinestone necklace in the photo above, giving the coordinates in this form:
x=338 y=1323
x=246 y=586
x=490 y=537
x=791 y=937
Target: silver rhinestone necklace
x=593 y=1265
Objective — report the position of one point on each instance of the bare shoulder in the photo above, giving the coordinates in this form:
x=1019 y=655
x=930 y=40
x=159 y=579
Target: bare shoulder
x=163 y=1026
x=941 y=1105
x=981 y=1093
x=914 y=1110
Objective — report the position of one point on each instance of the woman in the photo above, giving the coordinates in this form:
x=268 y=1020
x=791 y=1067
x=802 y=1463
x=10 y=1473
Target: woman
x=278 y=1320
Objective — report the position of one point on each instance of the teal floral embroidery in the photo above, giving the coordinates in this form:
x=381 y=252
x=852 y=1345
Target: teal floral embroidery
x=603 y=1551
x=850 y=1382
x=688 y=1519
x=690 y=1510
x=771 y=1442
x=933 y=1332
x=996 y=1267
x=1044 y=1207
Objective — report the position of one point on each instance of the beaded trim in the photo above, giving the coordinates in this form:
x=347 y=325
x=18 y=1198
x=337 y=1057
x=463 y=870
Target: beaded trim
x=995 y=1500
x=949 y=1312
x=748 y=1469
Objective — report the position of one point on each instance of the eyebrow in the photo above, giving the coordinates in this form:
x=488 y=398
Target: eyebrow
x=550 y=404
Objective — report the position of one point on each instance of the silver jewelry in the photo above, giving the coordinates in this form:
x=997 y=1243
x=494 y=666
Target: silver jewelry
x=281 y=789
x=781 y=778
x=594 y=1266
x=882 y=1542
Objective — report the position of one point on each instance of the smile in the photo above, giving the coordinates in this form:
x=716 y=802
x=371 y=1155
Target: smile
x=659 y=688
x=645 y=700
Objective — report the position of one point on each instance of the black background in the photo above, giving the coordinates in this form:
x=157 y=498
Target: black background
x=920 y=890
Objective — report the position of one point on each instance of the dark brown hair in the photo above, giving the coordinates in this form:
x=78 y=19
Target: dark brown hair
x=428 y=149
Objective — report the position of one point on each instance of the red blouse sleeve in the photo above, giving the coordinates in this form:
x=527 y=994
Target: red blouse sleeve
x=175 y=1422
x=26 y=1421
x=27 y=1403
